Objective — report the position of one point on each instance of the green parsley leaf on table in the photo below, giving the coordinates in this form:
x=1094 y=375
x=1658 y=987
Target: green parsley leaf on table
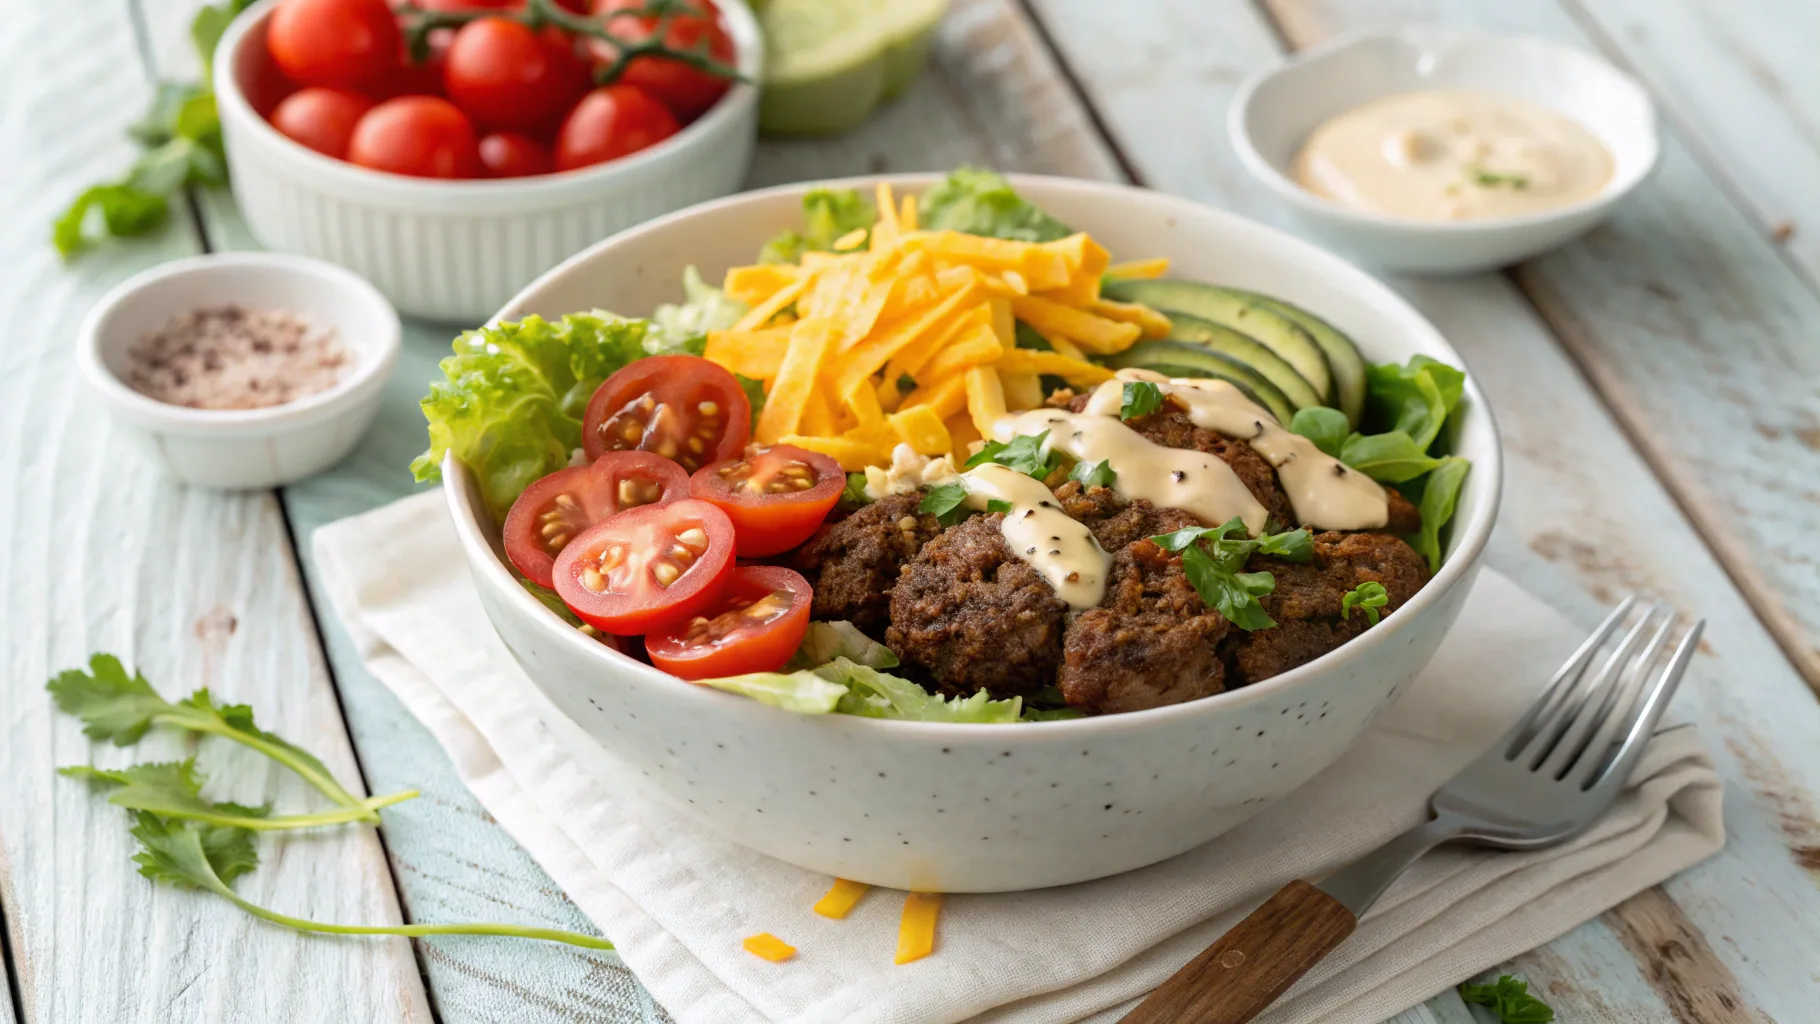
x=946 y=502
x=173 y=789
x=975 y=201
x=1141 y=398
x=1093 y=474
x=1509 y=998
x=1025 y=453
x=1327 y=428
x=1367 y=597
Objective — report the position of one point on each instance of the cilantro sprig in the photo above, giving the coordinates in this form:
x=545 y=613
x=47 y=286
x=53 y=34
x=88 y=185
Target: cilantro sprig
x=1140 y=398
x=946 y=502
x=1093 y=474
x=1213 y=557
x=1026 y=453
x=1509 y=998
x=191 y=842
x=1367 y=597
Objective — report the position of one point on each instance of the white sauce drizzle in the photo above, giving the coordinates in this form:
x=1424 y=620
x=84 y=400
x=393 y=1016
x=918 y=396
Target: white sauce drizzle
x=1039 y=532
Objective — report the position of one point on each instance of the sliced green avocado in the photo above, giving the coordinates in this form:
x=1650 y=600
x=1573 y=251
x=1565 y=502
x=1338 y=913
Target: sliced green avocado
x=1342 y=355
x=1248 y=350
x=1187 y=359
x=1241 y=312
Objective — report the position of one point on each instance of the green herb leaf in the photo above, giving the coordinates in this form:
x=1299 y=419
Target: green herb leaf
x=1291 y=546
x=1327 y=428
x=1367 y=597
x=1234 y=595
x=979 y=202
x=1440 y=493
x=173 y=789
x=1414 y=398
x=512 y=398
x=1230 y=545
x=1025 y=453
x=102 y=211
x=855 y=492
x=1141 y=398
x=112 y=705
x=828 y=213
x=1509 y=998
x=946 y=502
x=207 y=26
x=997 y=505
x=1495 y=179
x=1093 y=474
x=1391 y=458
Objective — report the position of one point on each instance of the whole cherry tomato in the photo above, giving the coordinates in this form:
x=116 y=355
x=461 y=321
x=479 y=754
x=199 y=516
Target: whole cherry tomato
x=409 y=77
x=344 y=43
x=422 y=136
x=508 y=77
x=321 y=118
x=511 y=155
x=609 y=123
x=686 y=90
x=467 y=5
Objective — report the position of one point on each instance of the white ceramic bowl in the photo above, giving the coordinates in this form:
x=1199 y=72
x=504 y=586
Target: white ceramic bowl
x=967 y=808
x=1276 y=110
x=244 y=448
x=455 y=250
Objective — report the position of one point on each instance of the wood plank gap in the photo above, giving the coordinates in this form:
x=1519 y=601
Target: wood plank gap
x=15 y=993
x=1692 y=500
x=1107 y=139
x=1694 y=140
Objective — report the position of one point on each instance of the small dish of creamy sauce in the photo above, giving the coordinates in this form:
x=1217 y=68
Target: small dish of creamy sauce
x=1453 y=154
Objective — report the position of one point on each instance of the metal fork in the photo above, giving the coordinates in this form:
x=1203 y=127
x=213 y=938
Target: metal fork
x=1546 y=780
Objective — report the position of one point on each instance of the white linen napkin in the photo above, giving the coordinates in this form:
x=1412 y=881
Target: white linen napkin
x=677 y=899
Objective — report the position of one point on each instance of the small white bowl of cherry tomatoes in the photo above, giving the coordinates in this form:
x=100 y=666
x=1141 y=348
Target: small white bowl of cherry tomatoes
x=670 y=485
x=450 y=151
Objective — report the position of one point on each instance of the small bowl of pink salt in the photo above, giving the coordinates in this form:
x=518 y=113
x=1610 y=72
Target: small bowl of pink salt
x=242 y=370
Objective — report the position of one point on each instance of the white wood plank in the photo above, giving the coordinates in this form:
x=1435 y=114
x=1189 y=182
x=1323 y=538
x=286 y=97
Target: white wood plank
x=102 y=553
x=1580 y=523
x=1740 y=81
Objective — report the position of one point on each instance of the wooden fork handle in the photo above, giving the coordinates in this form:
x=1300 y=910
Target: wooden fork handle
x=1234 y=979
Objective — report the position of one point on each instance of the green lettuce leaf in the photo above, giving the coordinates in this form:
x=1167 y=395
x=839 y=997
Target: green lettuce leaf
x=511 y=403
x=876 y=694
x=1414 y=398
x=1440 y=494
x=826 y=641
x=1327 y=428
x=704 y=308
x=1389 y=458
x=979 y=202
x=802 y=691
x=828 y=213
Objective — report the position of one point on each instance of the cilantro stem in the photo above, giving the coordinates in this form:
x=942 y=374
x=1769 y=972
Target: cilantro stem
x=324 y=783
x=284 y=822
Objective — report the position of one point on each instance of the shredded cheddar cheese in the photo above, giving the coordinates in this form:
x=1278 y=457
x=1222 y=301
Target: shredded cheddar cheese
x=841 y=898
x=916 y=929
x=767 y=946
x=905 y=335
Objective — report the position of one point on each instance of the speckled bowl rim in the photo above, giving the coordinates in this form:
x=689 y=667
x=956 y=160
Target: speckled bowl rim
x=1486 y=478
x=1261 y=168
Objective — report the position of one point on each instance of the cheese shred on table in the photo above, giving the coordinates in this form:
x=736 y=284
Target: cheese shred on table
x=841 y=898
x=767 y=946
x=916 y=929
x=908 y=336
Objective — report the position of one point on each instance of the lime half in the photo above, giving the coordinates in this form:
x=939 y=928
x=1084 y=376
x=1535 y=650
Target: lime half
x=828 y=63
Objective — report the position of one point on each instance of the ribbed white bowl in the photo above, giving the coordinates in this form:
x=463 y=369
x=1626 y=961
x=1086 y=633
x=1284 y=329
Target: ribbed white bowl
x=457 y=250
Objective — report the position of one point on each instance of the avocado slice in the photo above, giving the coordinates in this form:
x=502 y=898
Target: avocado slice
x=1342 y=355
x=1187 y=359
x=1248 y=350
x=1241 y=312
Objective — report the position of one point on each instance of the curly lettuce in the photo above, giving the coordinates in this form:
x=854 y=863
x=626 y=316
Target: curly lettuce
x=828 y=213
x=979 y=202
x=512 y=398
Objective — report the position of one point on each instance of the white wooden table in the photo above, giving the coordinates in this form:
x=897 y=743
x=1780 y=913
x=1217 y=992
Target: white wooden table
x=1655 y=384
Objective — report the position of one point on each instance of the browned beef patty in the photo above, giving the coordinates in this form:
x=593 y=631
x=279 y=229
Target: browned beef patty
x=972 y=614
x=854 y=563
x=1306 y=602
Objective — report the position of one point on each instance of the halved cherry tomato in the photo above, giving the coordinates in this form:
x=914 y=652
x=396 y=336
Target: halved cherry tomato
x=321 y=118
x=552 y=511
x=681 y=407
x=755 y=626
x=610 y=122
x=333 y=42
x=687 y=91
x=776 y=496
x=509 y=77
x=647 y=568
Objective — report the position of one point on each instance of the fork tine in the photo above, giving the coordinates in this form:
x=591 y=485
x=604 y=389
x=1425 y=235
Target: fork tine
x=1550 y=730
x=1614 y=704
x=1615 y=770
x=1522 y=732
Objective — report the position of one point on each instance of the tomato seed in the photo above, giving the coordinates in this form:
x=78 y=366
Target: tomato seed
x=666 y=573
x=708 y=409
x=694 y=538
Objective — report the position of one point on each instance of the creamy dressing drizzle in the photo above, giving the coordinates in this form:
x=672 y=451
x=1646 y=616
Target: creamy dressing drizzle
x=1037 y=530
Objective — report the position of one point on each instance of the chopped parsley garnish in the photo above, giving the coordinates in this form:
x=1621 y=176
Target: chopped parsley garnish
x=1509 y=999
x=1024 y=453
x=1093 y=474
x=947 y=503
x=1367 y=597
x=1212 y=558
x=1142 y=398
x=1496 y=179
x=996 y=505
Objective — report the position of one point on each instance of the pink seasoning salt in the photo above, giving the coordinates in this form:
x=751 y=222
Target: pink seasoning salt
x=227 y=357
